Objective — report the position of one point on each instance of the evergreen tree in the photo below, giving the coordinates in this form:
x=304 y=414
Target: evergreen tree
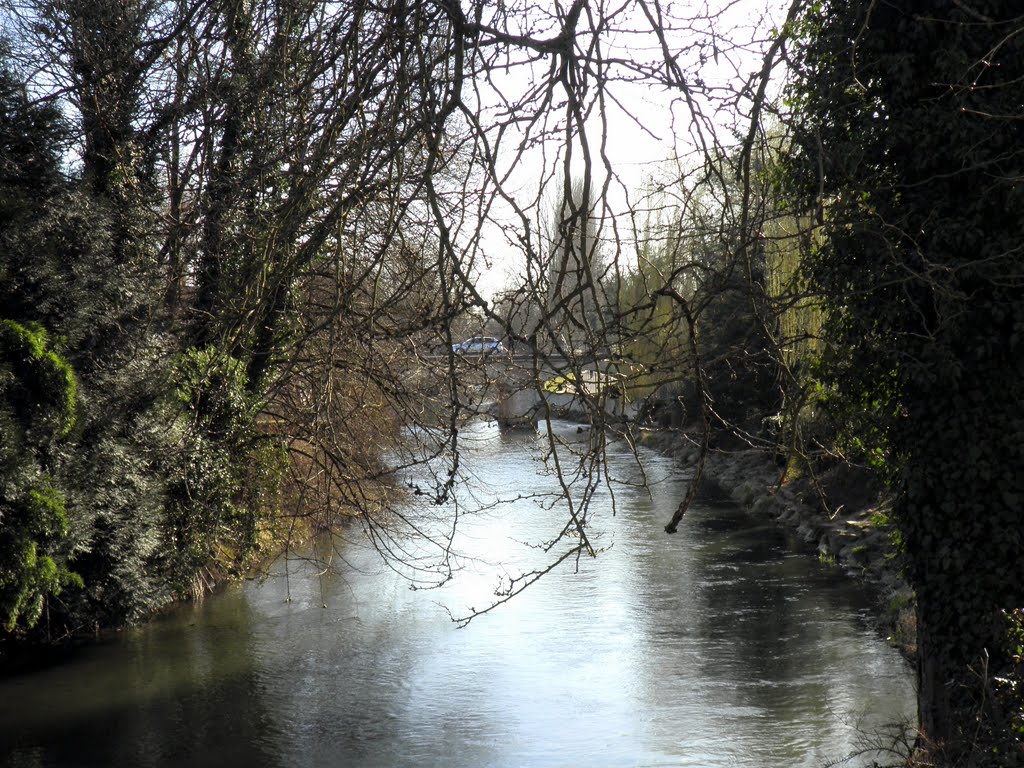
x=38 y=389
x=97 y=449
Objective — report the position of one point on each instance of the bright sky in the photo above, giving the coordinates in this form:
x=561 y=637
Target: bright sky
x=647 y=124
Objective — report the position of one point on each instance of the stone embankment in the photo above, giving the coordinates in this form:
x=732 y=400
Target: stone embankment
x=841 y=514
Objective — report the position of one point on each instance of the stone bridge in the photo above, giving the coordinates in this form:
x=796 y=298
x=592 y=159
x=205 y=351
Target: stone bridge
x=518 y=390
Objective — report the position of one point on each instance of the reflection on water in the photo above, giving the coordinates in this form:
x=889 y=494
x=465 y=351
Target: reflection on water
x=718 y=646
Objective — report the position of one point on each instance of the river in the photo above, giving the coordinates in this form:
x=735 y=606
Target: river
x=719 y=646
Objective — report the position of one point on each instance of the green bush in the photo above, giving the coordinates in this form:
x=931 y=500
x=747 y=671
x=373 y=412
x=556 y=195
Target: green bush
x=38 y=394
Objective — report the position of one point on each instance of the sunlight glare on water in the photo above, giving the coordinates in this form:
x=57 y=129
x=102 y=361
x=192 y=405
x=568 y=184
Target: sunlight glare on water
x=719 y=646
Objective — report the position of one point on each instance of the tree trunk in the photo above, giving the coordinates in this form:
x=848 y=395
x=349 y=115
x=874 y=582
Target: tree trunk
x=933 y=699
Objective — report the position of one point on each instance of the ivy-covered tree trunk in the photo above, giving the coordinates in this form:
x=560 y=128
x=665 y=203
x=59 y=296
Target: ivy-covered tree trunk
x=959 y=512
x=909 y=143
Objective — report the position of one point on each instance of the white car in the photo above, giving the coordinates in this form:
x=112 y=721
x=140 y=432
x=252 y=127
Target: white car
x=479 y=345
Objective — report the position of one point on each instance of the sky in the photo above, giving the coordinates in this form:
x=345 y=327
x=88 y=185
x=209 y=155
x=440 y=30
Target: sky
x=651 y=133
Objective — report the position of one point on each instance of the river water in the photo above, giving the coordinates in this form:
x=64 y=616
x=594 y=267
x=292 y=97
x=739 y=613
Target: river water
x=719 y=646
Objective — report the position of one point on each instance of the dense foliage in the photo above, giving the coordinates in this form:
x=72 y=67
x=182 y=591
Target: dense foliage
x=37 y=407
x=215 y=254
x=909 y=144
x=97 y=453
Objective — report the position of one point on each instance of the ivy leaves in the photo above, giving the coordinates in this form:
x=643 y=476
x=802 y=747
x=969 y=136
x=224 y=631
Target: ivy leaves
x=905 y=141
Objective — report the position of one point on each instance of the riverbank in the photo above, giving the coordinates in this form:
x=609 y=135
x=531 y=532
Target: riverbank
x=841 y=513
